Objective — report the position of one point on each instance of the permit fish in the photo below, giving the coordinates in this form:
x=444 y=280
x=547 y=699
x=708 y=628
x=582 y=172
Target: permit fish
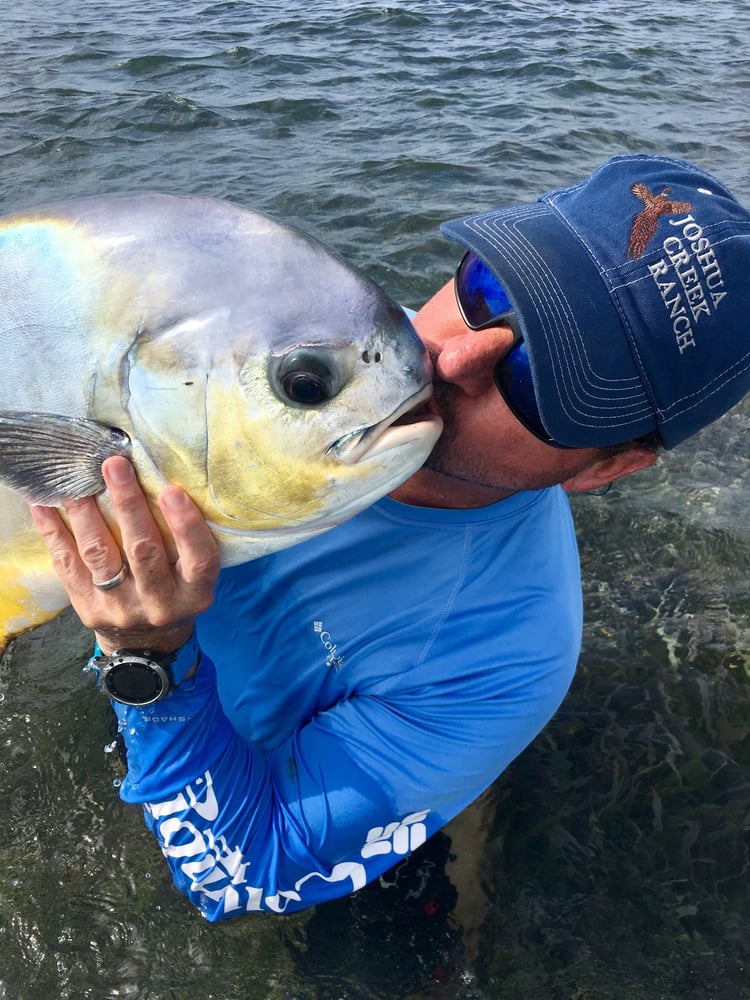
x=220 y=350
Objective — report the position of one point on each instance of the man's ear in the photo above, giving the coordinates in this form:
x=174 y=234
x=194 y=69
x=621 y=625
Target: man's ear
x=603 y=471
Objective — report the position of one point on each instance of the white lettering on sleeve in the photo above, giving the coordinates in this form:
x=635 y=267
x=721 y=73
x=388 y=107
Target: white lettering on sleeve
x=217 y=872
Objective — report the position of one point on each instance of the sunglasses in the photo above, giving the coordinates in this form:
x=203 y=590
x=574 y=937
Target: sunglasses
x=484 y=303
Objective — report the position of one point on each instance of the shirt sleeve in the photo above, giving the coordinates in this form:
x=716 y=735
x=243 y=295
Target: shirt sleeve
x=343 y=797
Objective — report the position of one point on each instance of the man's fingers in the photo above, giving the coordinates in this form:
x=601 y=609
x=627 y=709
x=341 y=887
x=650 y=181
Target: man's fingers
x=197 y=565
x=74 y=574
x=142 y=542
x=97 y=548
x=81 y=550
x=60 y=543
x=155 y=604
x=190 y=582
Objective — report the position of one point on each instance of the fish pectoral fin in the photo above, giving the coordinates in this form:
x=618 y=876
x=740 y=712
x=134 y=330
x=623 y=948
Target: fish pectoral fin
x=49 y=458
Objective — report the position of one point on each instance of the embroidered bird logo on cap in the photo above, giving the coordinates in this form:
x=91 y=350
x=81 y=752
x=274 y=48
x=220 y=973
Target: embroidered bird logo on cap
x=646 y=221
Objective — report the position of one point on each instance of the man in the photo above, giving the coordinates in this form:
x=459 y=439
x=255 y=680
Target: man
x=356 y=692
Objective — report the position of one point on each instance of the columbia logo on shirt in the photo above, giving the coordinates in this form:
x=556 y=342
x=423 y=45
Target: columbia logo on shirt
x=333 y=659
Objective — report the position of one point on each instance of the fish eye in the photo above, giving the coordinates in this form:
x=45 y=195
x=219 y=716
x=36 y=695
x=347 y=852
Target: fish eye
x=305 y=388
x=306 y=377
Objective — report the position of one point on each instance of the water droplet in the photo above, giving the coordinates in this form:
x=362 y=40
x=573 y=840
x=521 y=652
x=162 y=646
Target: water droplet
x=116 y=783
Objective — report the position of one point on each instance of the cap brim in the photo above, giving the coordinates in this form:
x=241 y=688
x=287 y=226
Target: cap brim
x=587 y=385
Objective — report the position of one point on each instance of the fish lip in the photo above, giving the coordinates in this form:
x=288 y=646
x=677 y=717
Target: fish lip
x=367 y=442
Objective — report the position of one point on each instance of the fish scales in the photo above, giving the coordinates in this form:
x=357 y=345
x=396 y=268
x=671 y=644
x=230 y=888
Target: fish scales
x=223 y=351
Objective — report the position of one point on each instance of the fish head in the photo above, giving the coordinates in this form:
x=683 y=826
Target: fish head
x=277 y=384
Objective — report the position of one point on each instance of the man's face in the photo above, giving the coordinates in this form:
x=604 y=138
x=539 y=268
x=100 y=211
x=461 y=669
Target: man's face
x=483 y=444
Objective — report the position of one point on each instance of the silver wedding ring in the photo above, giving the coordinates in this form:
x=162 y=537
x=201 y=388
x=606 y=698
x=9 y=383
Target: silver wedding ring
x=115 y=581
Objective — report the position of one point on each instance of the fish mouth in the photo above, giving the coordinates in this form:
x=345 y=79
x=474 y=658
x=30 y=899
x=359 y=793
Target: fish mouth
x=409 y=422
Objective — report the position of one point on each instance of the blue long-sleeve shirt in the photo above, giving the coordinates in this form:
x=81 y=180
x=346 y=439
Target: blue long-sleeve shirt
x=356 y=692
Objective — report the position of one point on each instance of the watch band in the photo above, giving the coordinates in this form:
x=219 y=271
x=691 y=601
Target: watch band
x=141 y=677
x=184 y=659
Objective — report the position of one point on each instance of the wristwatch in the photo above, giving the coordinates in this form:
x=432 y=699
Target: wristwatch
x=141 y=677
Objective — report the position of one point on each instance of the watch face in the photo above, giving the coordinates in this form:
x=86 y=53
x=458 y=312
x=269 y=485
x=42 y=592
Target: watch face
x=135 y=681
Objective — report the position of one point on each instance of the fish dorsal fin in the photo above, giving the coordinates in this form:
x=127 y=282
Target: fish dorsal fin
x=49 y=458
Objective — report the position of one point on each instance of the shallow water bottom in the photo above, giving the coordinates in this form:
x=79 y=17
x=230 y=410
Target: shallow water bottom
x=608 y=863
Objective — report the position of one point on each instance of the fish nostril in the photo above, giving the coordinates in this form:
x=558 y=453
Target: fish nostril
x=377 y=357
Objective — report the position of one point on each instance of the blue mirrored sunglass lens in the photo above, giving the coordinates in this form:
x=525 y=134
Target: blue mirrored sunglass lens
x=481 y=294
x=513 y=379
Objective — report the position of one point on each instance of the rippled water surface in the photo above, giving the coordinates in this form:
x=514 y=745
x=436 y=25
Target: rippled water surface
x=609 y=863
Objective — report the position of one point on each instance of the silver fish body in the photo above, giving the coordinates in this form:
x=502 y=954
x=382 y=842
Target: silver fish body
x=222 y=351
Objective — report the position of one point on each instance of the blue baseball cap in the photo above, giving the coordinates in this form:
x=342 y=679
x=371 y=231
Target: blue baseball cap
x=632 y=291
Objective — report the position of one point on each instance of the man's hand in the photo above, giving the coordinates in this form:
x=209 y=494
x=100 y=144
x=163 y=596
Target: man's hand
x=156 y=604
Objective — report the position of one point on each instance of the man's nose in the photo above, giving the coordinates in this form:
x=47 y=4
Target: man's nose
x=468 y=359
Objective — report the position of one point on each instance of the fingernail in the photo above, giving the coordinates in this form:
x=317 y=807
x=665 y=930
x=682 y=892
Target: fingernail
x=173 y=497
x=119 y=470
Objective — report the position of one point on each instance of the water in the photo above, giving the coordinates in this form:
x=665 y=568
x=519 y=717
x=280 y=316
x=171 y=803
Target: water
x=610 y=862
